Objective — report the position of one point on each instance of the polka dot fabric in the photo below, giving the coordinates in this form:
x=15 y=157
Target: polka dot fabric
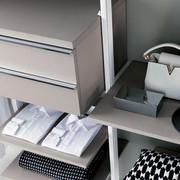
x=59 y=170
x=153 y=165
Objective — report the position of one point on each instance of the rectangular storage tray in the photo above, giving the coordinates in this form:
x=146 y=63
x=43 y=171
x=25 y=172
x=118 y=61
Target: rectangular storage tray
x=139 y=101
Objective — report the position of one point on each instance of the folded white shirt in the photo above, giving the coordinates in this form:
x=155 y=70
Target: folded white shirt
x=32 y=123
x=72 y=135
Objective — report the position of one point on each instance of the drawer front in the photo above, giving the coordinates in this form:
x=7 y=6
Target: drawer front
x=37 y=61
x=40 y=93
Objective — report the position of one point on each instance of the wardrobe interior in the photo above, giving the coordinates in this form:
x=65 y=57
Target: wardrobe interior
x=137 y=25
x=148 y=23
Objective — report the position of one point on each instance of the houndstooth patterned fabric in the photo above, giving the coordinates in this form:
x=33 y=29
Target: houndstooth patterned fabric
x=59 y=170
x=153 y=165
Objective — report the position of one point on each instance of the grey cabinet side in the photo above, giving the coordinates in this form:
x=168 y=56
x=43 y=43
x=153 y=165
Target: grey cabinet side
x=89 y=65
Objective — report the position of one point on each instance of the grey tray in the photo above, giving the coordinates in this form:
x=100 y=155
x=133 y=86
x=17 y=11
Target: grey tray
x=139 y=101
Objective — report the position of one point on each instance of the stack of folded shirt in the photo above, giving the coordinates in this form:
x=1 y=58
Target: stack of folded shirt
x=72 y=135
x=32 y=123
x=60 y=170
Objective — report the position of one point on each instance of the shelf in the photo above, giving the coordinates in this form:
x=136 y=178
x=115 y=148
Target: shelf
x=59 y=23
x=82 y=161
x=159 y=128
x=15 y=172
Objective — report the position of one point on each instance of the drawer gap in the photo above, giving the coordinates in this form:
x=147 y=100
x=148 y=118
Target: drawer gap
x=36 y=44
x=37 y=78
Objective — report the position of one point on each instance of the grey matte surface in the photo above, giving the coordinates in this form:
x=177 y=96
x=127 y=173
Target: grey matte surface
x=138 y=101
x=39 y=62
x=57 y=22
x=159 y=128
x=72 y=69
x=13 y=171
x=151 y=22
x=39 y=93
x=89 y=66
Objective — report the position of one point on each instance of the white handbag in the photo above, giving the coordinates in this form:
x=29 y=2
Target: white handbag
x=163 y=71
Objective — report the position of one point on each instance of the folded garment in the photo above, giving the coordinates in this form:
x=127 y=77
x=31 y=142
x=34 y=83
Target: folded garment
x=32 y=123
x=59 y=170
x=72 y=135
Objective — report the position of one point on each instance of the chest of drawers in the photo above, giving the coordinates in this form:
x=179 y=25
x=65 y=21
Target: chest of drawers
x=51 y=53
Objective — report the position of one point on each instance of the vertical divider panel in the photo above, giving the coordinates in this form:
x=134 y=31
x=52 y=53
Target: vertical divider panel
x=107 y=31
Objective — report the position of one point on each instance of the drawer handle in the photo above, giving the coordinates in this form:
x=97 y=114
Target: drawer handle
x=36 y=44
x=37 y=78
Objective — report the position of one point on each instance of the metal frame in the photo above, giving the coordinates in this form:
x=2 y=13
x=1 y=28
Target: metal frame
x=107 y=31
x=113 y=153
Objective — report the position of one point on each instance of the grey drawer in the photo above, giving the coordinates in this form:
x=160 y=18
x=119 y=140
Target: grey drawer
x=59 y=78
x=38 y=61
x=41 y=93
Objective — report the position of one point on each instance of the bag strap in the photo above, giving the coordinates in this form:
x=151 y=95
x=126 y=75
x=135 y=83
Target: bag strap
x=147 y=54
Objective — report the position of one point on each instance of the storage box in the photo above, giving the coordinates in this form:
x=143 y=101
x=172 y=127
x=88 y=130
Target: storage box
x=138 y=101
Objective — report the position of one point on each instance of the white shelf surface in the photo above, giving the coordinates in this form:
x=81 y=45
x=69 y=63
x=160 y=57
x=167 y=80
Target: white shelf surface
x=159 y=128
x=82 y=161
x=56 y=23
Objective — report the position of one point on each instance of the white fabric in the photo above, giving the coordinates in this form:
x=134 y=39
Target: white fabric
x=72 y=135
x=169 y=59
x=5 y=110
x=32 y=123
x=158 y=78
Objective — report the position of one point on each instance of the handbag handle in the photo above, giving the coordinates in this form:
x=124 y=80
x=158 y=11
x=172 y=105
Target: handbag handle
x=147 y=55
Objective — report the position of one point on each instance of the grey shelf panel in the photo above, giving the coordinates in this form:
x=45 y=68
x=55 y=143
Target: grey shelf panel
x=82 y=161
x=58 y=23
x=15 y=172
x=159 y=128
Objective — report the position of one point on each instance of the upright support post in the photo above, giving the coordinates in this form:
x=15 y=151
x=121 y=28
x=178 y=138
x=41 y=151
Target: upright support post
x=107 y=31
x=113 y=152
